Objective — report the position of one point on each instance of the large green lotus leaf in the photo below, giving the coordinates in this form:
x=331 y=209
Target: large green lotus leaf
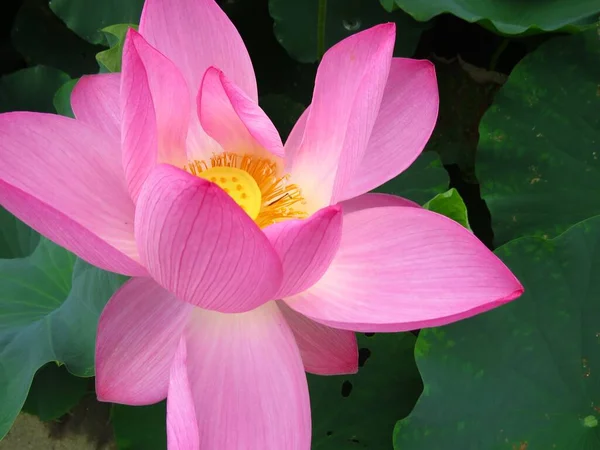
x=88 y=18
x=296 y=25
x=50 y=303
x=359 y=411
x=30 y=89
x=523 y=376
x=349 y=412
x=508 y=16
x=425 y=178
x=54 y=392
x=538 y=159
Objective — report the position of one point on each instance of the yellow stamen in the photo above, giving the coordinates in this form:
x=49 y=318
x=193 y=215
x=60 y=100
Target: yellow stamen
x=239 y=185
x=278 y=199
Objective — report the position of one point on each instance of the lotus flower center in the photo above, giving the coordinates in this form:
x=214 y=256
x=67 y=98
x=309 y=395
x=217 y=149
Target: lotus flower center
x=239 y=185
x=255 y=184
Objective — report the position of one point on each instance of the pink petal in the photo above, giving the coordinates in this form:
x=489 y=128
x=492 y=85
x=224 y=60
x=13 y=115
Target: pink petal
x=346 y=100
x=95 y=101
x=195 y=35
x=182 y=427
x=406 y=119
x=233 y=119
x=306 y=248
x=401 y=268
x=156 y=111
x=247 y=381
x=200 y=245
x=294 y=140
x=324 y=350
x=138 y=334
x=376 y=200
x=64 y=179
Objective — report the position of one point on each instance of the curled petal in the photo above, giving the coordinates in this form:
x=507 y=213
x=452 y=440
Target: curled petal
x=233 y=119
x=156 y=111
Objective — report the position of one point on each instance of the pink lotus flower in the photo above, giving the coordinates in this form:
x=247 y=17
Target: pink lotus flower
x=252 y=261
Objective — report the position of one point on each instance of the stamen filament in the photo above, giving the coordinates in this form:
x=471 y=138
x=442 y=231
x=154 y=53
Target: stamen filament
x=278 y=196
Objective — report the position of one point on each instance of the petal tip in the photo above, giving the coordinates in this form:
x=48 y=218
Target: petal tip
x=132 y=33
x=516 y=293
x=102 y=394
x=390 y=27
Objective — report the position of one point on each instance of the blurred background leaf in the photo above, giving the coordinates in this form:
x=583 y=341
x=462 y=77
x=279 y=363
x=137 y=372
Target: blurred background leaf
x=538 y=158
x=450 y=204
x=54 y=392
x=30 y=89
x=62 y=98
x=88 y=18
x=115 y=35
x=16 y=239
x=42 y=38
x=424 y=179
x=283 y=111
x=508 y=16
x=140 y=427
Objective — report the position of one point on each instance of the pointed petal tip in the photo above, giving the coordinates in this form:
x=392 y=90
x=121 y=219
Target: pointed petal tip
x=386 y=30
x=390 y=27
x=132 y=33
x=516 y=293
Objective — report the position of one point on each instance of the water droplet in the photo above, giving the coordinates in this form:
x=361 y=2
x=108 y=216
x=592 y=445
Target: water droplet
x=351 y=24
